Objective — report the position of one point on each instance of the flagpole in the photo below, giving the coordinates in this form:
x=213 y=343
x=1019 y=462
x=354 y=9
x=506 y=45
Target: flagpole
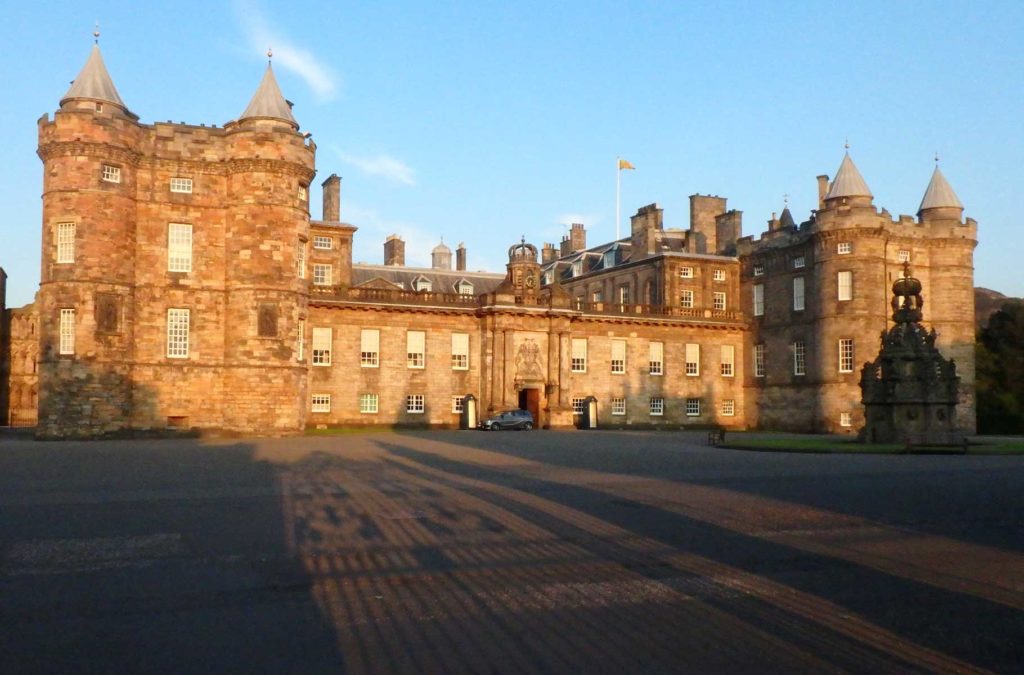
x=618 y=180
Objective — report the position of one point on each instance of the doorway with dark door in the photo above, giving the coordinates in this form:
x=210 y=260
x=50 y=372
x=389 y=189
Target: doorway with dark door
x=529 y=399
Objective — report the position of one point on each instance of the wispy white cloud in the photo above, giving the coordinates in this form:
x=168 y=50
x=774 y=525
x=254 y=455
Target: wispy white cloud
x=382 y=165
x=374 y=229
x=298 y=60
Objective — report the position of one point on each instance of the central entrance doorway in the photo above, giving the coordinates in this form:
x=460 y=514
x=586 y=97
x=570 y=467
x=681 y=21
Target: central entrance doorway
x=529 y=399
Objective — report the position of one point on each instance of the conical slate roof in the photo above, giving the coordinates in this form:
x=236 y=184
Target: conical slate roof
x=786 y=219
x=848 y=182
x=939 y=193
x=268 y=102
x=94 y=82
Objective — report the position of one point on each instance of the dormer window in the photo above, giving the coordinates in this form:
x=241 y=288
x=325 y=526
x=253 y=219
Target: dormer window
x=609 y=259
x=548 y=277
x=423 y=285
x=464 y=287
x=577 y=268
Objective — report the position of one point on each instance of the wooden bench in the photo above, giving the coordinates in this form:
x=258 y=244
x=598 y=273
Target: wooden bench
x=716 y=436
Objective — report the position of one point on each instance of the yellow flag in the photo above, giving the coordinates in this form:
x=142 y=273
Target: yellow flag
x=623 y=164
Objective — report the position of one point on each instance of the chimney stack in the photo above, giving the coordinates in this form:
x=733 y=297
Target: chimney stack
x=460 y=258
x=548 y=254
x=822 y=191
x=578 y=236
x=394 y=251
x=332 y=199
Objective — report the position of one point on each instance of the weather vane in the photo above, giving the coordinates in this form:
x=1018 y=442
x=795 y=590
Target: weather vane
x=96 y=32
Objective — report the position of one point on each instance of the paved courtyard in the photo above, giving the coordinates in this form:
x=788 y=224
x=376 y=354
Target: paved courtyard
x=449 y=552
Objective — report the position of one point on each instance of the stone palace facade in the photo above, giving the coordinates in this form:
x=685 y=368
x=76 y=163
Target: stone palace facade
x=184 y=285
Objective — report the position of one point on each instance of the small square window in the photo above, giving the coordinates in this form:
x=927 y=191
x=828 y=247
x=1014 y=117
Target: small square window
x=903 y=256
x=323 y=242
x=759 y=270
x=578 y=404
x=798 y=262
x=322 y=275
x=719 y=275
x=368 y=404
x=728 y=407
x=321 y=403
x=844 y=248
x=845 y=419
x=111 y=174
x=657 y=406
x=618 y=406
x=693 y=407
x=182 y=185
x=414 y=404
x=303 y=193
x=685 y=272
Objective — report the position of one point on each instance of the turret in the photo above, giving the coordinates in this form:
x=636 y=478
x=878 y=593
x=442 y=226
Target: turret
x=441 y=257
x=848 y=188
x=940 y=201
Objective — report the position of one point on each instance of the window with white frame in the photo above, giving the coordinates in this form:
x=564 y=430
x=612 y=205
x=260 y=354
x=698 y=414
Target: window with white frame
x=718 y=300
x=903 y=255
x=423 y=285
x=300 y=259
x=758 y=299
x=65 y=242
x=656 y=360
x=457 y=404
x=759 y=270
x=692 y=359
x=845 y=355
x=179 y=247
x=686 y=272
x=460 y=351
x=368 y=404
x=111 y=174
x=798 y=294
x=693 y=407
x=182 y=185
x=624 y=295
x=799 y=358
x=177 y=333
x=657 y=406
x=577 y=268
x=844 y=248
x=759 y=360
x=321 y=275
x=618 y=357
x=578 y=405
x=321 y=403
x=323 y=337
x=719 y=275
x=845 y=419
x=464 y=288
x=728 y=407
x=416 y=349
x=608 y=259
x=67 y=331
x=579 y=355
x=686 y=298
x=798 y=262
x=300 y=340
x=323 y=243
x=414 y=404
x=618 y=406
x=728 y=367
x=369 y=348
x=844 y=284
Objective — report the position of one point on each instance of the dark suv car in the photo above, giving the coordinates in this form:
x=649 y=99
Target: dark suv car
x=509 y=419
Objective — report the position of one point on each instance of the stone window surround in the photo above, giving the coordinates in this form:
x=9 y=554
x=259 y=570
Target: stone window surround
x=179 y=247
x=111 y=174
x=181 y=185
x=369 y=404
x=322 y=242
x=322 y=274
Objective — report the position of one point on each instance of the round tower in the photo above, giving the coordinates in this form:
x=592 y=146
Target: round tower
x=270 y=166
x=951 y=242
x=90 y=159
